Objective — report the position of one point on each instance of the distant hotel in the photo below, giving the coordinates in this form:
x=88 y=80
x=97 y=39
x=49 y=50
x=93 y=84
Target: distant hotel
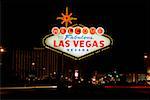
x=43 y=62
x=39 y=61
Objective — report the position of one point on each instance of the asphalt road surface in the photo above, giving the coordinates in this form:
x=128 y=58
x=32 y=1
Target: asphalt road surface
x=54 y=93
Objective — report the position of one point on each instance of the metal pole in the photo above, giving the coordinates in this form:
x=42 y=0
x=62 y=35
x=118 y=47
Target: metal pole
x=62 y=69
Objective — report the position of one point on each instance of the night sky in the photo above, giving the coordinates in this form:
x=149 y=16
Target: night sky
x=25 y=23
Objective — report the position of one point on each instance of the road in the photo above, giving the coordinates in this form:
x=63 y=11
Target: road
x=49 y=92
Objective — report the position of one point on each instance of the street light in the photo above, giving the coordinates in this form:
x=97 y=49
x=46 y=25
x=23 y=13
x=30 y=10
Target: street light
x=76 y=74
x=33 y=63
x=2 y=50
x=145 y=56
x=44 y=68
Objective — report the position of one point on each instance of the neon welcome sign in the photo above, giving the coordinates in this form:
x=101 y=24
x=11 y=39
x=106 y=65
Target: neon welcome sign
x=77 y=41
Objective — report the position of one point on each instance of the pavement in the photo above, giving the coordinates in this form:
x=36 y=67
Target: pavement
x=52 y=92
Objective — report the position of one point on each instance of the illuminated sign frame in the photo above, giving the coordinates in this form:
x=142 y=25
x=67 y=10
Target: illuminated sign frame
x=67 y=19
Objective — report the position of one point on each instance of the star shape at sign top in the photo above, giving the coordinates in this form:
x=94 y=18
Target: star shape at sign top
x=66 y=18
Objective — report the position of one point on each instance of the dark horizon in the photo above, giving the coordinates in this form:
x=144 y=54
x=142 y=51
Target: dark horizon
x=25 y=23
